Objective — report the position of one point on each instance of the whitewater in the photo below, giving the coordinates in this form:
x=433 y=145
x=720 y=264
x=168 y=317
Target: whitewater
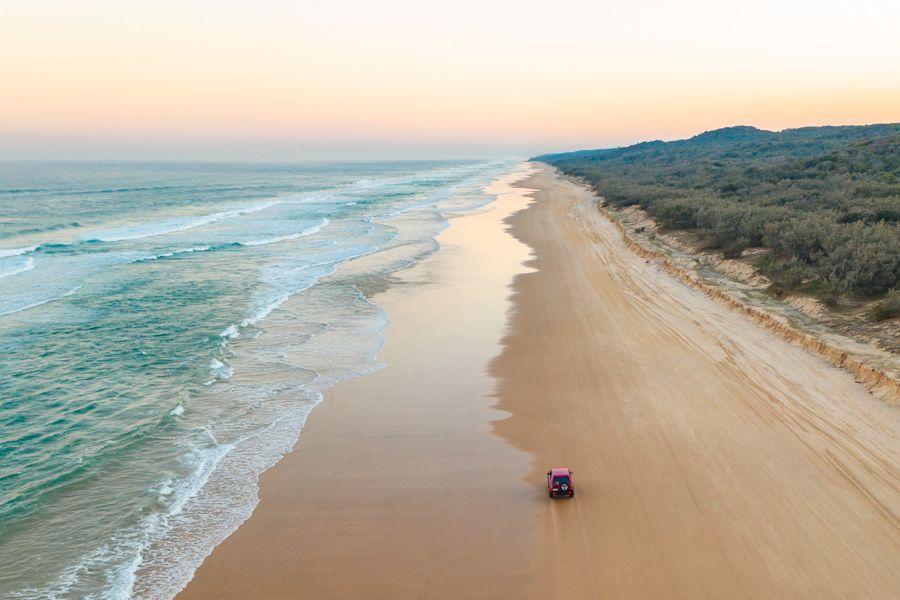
x=165 y=332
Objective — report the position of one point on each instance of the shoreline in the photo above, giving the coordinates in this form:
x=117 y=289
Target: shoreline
x=711 y=457
x=405 y=455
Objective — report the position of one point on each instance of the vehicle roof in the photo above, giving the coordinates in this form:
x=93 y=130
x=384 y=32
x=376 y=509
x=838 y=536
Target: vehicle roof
x=559 y=471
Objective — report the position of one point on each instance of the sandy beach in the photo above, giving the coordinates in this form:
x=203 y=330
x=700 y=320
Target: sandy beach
x=711 y=458
x=397 y=486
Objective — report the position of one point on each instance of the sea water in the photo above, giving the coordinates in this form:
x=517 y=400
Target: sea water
x=165 y=329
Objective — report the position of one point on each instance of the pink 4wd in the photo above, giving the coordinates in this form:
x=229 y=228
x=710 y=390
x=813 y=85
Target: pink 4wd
x=560 y=483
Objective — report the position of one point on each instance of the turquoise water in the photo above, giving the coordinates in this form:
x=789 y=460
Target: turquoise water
x=164 y=332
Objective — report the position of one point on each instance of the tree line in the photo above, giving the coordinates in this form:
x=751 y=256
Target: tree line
x=822 y=202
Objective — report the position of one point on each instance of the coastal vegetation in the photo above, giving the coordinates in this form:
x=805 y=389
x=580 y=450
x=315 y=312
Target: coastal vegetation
x=888 y=308
x=818 y=207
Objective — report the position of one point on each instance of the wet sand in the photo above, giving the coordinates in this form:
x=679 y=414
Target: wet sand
x=397 y=487
x=712 y=459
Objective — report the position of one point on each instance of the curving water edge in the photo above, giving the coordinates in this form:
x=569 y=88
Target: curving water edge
x=270 y=368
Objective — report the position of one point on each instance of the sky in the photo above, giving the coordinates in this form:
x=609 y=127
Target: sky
x=354 y=79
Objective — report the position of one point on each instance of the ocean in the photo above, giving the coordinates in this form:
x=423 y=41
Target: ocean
x=165 y=329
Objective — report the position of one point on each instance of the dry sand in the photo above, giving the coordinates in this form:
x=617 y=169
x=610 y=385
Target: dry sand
x=712 y=459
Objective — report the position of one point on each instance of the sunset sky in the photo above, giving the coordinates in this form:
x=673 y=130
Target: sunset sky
x=273 y=79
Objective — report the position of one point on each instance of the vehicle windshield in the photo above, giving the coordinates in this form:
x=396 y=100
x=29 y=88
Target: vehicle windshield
x=559 y=480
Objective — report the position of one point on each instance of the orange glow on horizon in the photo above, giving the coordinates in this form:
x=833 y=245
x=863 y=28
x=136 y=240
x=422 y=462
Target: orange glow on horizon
x=520 y=74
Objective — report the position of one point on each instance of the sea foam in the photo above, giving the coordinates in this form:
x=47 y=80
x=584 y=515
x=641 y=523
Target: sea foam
x=5 y=252
x=292 y=236
x=22 y=267
x=18 y=309
x=171 y=225
x=220 y=370
x=196 y=470
x=173 y=253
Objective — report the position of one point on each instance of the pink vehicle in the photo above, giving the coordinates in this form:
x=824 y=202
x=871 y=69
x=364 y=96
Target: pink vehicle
x=560 y=483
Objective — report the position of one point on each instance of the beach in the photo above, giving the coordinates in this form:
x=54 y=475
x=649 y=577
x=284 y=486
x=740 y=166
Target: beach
x=397 y=486
x=711 y=458
x=168 y=331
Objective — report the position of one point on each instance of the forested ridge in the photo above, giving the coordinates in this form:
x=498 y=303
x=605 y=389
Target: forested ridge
x=823 y=203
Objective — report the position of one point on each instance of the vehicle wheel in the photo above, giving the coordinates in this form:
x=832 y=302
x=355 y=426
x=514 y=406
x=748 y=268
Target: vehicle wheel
x=571 y=494
x=550 y=494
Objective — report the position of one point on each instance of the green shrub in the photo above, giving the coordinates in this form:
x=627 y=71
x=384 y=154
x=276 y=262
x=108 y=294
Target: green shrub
x=736 y=248
x=888 y=308
x=789 y=273
x=824 y=200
